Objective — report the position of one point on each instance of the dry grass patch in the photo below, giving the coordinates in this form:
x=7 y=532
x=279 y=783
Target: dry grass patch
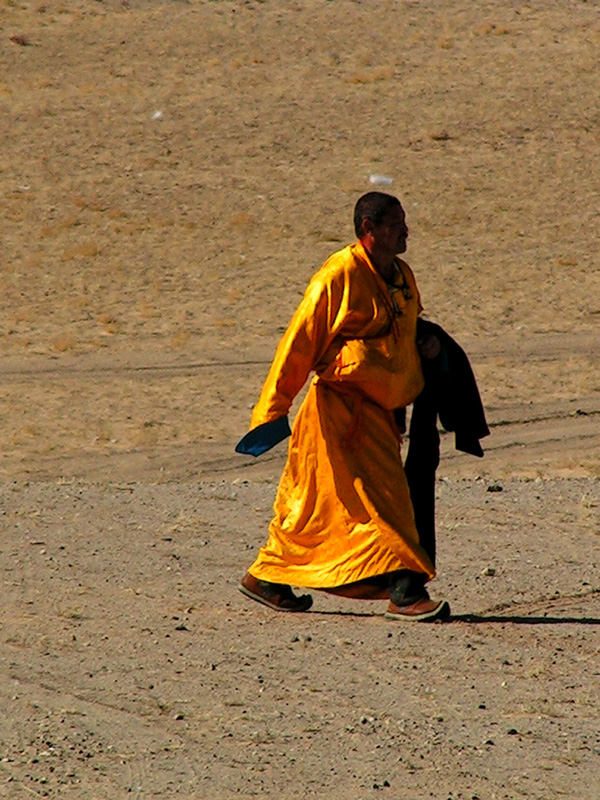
x=180 y=339
x=162 y=221
x=242 y=221
x=52 y=231
x=83 y=250
x=234 y=295
x=491 y=29
x=106 y=319
x=26 y=433
x=148 y=435
x=24 y=315
x=148 y=311
x=116 y=213
x=64 y=343
x=566 y=262
x=372 y=75
x=80 y=302
x=225 y=322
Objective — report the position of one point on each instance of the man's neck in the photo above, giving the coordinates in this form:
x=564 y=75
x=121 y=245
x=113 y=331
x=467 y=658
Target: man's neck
x=383 y=263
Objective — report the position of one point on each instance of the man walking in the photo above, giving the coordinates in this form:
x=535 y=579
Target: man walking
x=344 y=521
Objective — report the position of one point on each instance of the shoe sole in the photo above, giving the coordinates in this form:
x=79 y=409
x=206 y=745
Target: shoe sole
x=266 y=602
x=441 y=611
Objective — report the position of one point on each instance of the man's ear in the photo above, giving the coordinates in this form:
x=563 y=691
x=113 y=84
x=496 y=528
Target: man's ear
x=367 y=226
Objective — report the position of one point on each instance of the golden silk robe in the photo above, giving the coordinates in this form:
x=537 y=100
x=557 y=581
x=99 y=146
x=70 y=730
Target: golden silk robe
x=343 y=511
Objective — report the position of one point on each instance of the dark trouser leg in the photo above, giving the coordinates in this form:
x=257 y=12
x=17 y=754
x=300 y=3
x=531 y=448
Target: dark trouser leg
x=406 y=587
x=421 y=464
x=375 y=588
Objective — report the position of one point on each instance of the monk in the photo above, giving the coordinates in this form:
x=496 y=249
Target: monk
x=344 y=521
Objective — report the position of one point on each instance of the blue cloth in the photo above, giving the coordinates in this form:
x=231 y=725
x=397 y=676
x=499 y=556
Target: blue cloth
x=264 y=437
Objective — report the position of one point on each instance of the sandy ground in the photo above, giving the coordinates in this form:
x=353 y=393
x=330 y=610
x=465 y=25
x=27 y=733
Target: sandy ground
x=171 y=174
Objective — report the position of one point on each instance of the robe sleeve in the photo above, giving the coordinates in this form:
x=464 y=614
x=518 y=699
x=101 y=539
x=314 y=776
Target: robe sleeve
x=313 y=327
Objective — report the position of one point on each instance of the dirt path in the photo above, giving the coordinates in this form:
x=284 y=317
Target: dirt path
x=130 y=663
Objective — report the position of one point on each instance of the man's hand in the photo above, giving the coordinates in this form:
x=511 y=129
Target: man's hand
x=429 y=346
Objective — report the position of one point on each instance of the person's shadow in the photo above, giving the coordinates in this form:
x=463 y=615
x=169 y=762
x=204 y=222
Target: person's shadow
x=477 y=619
x=501 y=615
x=519 y=619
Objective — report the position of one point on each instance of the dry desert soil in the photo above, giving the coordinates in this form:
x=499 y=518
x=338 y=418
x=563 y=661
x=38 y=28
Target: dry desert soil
x=171 y=175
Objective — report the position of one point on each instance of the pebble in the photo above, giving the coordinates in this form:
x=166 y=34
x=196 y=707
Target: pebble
x=380 y=180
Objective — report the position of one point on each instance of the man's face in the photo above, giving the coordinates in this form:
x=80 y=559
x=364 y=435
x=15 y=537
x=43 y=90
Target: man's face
x=391 y=233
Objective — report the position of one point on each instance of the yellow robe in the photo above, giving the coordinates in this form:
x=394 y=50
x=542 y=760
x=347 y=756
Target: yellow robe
x=343 y=511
